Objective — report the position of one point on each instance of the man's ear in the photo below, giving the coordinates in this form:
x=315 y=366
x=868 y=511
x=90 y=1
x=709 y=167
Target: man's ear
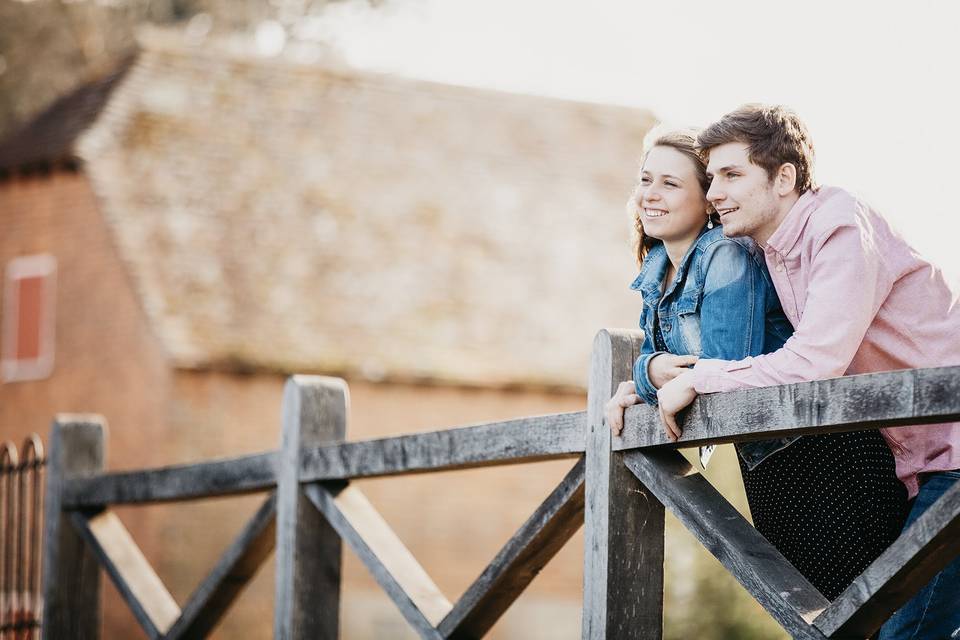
x=786 y=179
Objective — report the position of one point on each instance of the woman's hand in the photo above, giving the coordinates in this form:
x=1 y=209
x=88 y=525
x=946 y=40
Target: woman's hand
x=625 y=396
x=675 y=396
x=665 y=367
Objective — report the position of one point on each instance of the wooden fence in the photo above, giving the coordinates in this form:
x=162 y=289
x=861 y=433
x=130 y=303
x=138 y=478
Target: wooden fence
x=618 y=490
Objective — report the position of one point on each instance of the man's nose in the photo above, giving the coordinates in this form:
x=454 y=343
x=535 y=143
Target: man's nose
x=714 y=194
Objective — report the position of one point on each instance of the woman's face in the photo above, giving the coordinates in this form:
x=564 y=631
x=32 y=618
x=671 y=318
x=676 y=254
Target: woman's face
x=671 y=203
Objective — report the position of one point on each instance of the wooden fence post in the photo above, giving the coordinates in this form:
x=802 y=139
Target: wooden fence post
x=623 y=521
x=308 y=549
x=71 y=572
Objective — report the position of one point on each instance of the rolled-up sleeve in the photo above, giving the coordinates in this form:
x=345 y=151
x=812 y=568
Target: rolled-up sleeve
x=641 y=374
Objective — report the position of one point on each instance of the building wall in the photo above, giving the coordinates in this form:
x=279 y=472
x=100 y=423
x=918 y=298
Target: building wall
x=107 y=360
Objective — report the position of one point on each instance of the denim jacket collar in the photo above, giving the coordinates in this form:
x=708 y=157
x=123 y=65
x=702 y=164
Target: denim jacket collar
x=655 y=265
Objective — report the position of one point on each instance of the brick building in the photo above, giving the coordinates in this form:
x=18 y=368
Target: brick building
x=181 y=235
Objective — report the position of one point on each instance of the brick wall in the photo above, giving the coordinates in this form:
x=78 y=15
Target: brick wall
x=106 y=358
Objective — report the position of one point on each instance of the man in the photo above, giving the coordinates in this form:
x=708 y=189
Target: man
x=861 y=300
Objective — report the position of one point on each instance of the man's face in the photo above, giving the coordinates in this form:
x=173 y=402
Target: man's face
x=742 y=193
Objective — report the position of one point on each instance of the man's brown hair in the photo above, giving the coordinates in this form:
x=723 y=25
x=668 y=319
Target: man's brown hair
x=774 y=135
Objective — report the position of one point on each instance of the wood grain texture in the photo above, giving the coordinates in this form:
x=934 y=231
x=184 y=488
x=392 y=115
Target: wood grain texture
x=623 y=521
x=507 y=442
x=895 y=398
x=926 y=547
x=308 y=549
x=520 y=560
x=71 y=572
x=384 y=554
x=228 y=476
x=136 y=581
x=747 y=555
x=236 y=567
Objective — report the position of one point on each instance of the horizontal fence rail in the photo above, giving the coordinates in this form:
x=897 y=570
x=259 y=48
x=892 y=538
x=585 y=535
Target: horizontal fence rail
x=214 y=478
x=508 y=442
x=618 y=489
x=496 y=443
x=850 y=403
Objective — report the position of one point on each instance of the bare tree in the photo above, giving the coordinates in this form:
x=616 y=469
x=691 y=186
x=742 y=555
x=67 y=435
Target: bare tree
x=47 y=47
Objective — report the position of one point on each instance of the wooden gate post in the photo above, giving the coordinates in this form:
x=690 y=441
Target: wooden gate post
x=308 y=550
x=623 y=521
x=71 y=573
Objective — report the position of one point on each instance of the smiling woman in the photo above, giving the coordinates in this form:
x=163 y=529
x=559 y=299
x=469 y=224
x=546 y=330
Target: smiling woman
x=672 y=182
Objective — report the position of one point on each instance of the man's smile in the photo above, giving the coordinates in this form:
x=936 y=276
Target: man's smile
x=726 y=210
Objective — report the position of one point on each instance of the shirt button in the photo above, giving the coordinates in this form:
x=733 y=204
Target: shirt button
x=779 y=266
x=666 y=327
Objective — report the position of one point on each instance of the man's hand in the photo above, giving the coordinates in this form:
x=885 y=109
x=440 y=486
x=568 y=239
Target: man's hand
x=675 y=396
x=625 y=396
x=665 y=367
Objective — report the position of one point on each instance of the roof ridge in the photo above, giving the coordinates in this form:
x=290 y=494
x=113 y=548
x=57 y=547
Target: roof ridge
x=49 y=137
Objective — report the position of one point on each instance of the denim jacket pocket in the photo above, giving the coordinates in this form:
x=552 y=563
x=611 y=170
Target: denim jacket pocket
x=688 y=321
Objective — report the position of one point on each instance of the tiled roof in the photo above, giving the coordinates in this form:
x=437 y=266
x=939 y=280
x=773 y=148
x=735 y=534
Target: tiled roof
x=297 y=218
x=50 y=137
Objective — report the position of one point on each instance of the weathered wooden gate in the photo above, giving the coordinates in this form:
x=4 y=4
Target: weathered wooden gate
x=618 y=489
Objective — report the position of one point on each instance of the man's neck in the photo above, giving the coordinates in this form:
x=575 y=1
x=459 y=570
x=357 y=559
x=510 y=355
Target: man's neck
x=785 y=204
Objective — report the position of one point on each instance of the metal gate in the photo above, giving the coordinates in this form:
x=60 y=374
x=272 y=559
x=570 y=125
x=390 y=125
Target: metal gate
x=21 y=528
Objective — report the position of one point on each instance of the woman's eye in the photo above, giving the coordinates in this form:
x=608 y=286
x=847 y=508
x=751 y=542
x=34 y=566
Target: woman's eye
x=644 y=181
x=670 y=184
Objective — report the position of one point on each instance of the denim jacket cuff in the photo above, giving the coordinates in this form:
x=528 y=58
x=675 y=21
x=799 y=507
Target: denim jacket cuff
x=641 y=378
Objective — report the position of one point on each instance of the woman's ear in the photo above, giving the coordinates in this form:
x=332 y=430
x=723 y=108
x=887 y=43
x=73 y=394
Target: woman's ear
x=786 y=179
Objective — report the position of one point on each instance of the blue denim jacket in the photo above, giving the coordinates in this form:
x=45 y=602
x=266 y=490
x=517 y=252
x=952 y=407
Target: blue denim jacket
x=721 y=304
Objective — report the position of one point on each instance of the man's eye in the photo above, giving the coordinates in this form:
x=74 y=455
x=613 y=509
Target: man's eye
x=644 y=180
x=731 y=176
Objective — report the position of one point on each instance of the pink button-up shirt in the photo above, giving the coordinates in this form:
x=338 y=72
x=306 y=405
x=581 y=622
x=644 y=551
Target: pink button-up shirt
x=861 y=301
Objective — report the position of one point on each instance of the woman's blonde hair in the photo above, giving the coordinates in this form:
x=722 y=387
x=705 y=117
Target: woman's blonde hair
x=683 y=140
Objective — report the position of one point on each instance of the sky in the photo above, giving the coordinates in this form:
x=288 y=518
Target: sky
x=876 y=82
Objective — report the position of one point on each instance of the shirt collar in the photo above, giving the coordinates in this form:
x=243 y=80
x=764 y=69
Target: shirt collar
x=652 y=272
x=654 y=268
x=785 y=238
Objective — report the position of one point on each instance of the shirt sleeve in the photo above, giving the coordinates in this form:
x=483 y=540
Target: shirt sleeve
x=846 y=287
x=641 y=376
x=732 y=311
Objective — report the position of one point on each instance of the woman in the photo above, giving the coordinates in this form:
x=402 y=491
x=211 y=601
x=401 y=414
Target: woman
x=830 y=504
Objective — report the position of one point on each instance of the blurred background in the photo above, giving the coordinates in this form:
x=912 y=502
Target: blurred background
x=199 y=198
